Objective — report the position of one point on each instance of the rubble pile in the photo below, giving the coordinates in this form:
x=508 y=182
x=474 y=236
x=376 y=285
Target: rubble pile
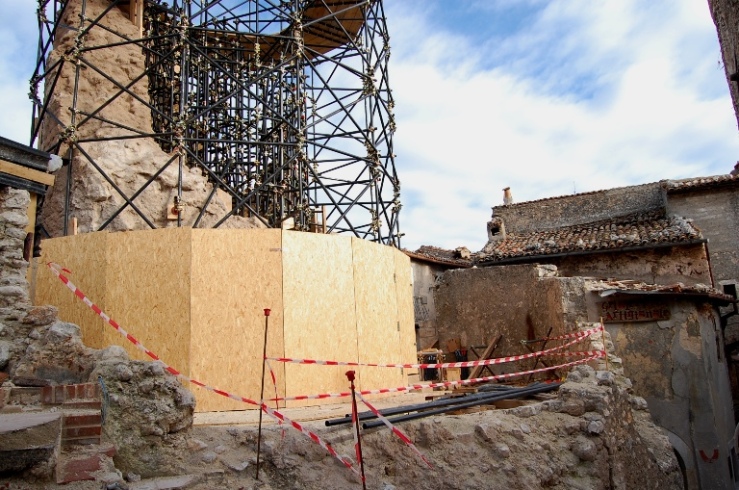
x=593 y=435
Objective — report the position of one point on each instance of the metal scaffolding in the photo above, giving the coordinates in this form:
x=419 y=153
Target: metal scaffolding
x=284 y=105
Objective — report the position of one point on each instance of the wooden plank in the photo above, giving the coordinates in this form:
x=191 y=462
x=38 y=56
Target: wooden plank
x=236 y=274
x=485 y=355
x=320 y=318
x=85 y=255
x=406 y=320
x=148 y=292
x=378 y=327
x=26 y=173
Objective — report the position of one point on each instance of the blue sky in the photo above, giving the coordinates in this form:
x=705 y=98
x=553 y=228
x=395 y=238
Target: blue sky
x=547 y=97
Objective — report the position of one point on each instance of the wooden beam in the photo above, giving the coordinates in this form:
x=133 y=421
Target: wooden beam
x=26 y=173
x=485 y=355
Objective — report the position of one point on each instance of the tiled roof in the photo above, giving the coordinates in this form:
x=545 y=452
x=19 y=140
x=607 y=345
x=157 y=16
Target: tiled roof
x=699 y=183
x=627 y=231
x=578 y=194
x=441 y=256
x=637 y=287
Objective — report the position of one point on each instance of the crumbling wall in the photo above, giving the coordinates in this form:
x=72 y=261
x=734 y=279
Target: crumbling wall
x=128 y=163
x=519 y=302
x=668 y=265
x=549 y=214
x=13 y=220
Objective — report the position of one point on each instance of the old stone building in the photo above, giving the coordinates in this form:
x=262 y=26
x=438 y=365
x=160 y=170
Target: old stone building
x=667 y=337
x=427 y=264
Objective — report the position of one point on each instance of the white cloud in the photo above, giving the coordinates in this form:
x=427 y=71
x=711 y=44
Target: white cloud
x=591 y=95
x=578 y=95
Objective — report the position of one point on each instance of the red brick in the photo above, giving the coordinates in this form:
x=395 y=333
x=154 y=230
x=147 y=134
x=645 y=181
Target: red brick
x=81 y=432
x=92 y=391
x=81 y=420
x=70 y=392
x=86 y=404
x=78 y=466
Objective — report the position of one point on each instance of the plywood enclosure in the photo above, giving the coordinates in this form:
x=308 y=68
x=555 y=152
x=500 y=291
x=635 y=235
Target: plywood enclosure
x=320 y=321
x=236 y=275
x=196 y=297
x=378 y=325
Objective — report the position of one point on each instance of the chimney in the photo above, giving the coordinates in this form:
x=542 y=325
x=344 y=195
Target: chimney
x=507 y=197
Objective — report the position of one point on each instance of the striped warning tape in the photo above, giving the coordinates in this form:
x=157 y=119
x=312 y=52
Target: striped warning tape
x=445 y=384
x=57 y=271
x=401 y=435
x=482 y=362
x=572 y=335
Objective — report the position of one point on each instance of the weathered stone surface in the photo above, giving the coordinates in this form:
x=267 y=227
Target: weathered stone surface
x=4 y=353
x=41 y=315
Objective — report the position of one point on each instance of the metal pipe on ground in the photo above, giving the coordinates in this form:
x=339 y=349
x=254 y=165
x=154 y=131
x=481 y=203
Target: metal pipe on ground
x=542 y=388
x=421 y=406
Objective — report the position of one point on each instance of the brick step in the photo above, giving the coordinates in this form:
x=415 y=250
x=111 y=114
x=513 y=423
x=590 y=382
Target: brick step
x=81 y=427
x=65 y=394
x=90 y=404
x=81 y=464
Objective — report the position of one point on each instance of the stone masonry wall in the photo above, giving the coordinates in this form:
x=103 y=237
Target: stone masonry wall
x=716 y=214
x=725 y=15
x=13 y=220
x=516 y=302
x=668 y=265
x=129 y=163
x=554 y=213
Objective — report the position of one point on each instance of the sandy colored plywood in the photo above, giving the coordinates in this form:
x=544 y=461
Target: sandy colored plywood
x=236 y=274
x=404 y=295
x=148 y=287
x=85 y=257
x=319 y=311
x=378 y=327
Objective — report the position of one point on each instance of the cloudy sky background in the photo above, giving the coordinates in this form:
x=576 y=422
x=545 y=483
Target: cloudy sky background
x=547 y=97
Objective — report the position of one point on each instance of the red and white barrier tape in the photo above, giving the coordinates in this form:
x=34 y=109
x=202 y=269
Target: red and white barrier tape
x=446 y=384
x=401 y=435
x=482 y=362
x=572 y=335
x=57 y=271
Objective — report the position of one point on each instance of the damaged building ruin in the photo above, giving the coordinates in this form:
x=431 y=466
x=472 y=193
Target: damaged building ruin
x=635 y=258
x=244 y=153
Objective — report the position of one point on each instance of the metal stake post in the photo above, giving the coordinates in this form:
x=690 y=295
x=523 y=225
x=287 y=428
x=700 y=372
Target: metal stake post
x=350 y=377
x=261 y=393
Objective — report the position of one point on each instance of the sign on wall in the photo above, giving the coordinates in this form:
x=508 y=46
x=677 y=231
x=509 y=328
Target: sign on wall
x=633 y=311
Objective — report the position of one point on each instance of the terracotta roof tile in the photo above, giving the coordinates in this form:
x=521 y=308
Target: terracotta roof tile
x=700 y=182
x=637 y=287
x=611 y=234
x=442 y=256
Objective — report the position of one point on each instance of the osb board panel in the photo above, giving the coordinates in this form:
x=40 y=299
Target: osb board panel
x=377 y=314
x=404 y=295
x=84 y=255
x=148 y=292
x=320 y=320
x=236 y=274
